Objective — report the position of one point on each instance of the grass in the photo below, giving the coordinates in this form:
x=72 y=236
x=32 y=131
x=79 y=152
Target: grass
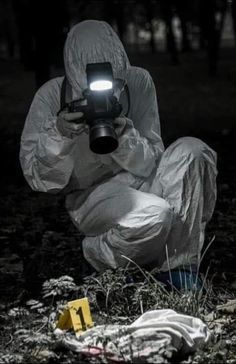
x=116 y=297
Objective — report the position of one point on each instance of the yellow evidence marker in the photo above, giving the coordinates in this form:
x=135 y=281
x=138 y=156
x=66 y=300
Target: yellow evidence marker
x=77 y=316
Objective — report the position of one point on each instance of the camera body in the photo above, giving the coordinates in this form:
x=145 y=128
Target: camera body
x=100 y=108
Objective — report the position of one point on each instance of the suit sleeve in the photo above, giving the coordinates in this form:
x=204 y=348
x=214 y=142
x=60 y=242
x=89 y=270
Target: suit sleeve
x=46 y=156
x=140 y=146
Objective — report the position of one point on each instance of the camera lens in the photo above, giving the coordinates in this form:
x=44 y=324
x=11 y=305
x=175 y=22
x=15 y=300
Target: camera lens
x=102 y=137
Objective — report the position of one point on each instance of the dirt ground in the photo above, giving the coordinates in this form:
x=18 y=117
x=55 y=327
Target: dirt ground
x=39 y=242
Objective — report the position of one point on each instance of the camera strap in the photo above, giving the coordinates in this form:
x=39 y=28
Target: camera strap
x=63 y=95
x=126 y=88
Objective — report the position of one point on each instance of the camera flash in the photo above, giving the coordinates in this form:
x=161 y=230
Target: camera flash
x=100 y=85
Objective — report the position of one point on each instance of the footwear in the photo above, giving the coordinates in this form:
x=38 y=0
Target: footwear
x=181 y=279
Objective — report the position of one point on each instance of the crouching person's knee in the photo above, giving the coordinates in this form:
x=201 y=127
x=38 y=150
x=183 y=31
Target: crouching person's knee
x=145 y=242
x=140 y=237
x=192 y=149
x=147 y=221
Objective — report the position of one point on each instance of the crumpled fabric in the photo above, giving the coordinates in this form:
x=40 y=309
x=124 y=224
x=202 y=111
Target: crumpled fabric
x=141 y=201
x=155 y=337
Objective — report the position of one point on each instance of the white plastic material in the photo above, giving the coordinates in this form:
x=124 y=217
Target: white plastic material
x=140 y=201
x=154 y=337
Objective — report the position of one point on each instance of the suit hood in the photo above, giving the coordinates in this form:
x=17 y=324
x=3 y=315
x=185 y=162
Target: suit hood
x=92 y=41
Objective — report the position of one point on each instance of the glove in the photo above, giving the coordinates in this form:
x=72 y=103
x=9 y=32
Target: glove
x=121 y=125
x=71 y=125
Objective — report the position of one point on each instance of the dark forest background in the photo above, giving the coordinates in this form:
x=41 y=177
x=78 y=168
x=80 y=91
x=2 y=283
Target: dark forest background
x=34 y=31
x=193 y=40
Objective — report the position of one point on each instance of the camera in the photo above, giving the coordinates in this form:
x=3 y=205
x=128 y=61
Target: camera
x=100 y=107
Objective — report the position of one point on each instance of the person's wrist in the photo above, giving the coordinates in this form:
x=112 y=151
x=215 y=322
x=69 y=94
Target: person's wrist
x=63 y=131
x=69 y=125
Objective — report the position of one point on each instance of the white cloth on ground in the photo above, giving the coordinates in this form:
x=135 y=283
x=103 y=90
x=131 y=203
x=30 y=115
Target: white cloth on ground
x=155 y=336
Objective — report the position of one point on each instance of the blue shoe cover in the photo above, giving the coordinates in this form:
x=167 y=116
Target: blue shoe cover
x=180 y=279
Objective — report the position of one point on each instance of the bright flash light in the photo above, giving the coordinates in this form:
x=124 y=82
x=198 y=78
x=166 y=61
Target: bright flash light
x=100 y=85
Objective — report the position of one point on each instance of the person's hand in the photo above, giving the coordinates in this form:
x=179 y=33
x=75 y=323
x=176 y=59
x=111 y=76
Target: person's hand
x=71 y=125
x=121 y=125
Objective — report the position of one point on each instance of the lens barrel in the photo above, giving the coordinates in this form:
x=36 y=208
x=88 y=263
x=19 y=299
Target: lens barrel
x=102 y=137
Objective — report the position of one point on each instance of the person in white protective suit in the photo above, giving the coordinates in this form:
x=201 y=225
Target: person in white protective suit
x=140 y=201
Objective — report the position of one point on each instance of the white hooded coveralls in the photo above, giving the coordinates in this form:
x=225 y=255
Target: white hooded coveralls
x=139 y=201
